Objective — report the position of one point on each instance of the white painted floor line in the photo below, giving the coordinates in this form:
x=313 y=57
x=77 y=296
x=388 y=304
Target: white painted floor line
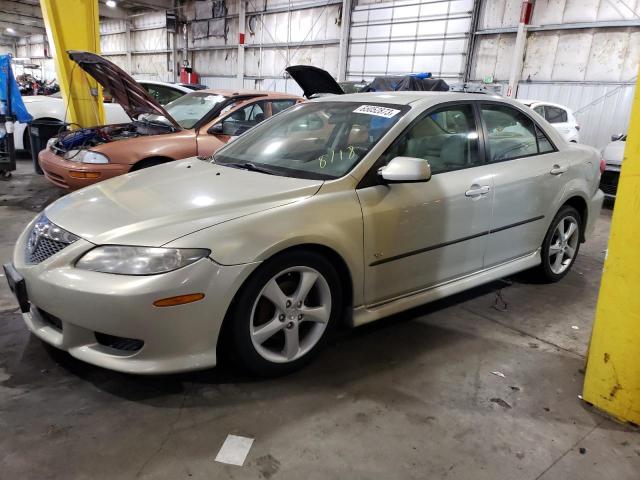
x=234 y=450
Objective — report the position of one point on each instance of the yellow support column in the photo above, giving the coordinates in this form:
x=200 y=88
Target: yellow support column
x=612 y=381
x=73 y=25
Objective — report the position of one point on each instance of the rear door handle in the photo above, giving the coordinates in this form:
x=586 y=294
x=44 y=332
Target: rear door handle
x=476 y=190
x=558 y=170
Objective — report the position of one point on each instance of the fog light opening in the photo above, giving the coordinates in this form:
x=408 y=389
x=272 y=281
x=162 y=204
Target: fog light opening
x=179 y=300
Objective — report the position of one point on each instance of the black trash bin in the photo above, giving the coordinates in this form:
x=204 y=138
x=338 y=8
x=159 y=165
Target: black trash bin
x=40 y=131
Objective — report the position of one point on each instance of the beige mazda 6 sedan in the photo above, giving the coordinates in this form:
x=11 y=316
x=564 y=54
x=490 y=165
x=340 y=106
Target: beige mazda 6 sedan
x=344 y=209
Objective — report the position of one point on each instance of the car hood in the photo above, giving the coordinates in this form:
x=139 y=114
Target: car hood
x=39 y=99
x=154 y=206
x=314 y=80
x=614 y=153
x=132 y=96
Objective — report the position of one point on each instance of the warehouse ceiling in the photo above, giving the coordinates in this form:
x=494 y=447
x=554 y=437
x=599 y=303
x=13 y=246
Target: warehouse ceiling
x=21 y=18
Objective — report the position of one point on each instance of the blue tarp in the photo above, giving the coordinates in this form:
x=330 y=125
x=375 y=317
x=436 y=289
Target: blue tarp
x=17 y=105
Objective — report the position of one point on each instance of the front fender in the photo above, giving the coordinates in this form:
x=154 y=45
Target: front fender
x=332 y=220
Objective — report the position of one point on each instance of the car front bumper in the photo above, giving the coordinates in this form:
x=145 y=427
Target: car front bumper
x=75 y=310
x=58 y=170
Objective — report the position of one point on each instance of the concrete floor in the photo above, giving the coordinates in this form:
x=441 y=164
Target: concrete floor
x=410 y=397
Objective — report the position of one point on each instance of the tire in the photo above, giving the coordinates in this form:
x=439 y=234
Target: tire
x=26 y=141
x=559 y=255
x=296 y=332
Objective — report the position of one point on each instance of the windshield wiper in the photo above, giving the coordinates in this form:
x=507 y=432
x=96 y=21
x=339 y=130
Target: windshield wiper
x=249 y=166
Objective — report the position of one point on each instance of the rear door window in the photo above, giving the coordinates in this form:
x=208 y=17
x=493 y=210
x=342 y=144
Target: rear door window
x=163 y=94
x=512 y=134
x=555 y=114
x=278 y=106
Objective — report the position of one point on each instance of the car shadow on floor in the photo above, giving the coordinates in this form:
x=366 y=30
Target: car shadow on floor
x=401 y=338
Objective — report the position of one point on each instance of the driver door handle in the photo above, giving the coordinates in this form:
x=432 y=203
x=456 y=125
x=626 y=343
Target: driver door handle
x=477 y=190
x=557 y=170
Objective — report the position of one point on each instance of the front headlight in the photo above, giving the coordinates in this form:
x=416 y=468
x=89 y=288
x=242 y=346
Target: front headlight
x=85 y=156
x=126 y=260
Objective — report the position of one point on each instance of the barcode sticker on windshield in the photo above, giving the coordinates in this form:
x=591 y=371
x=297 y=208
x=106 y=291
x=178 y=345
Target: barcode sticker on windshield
x=377 y=111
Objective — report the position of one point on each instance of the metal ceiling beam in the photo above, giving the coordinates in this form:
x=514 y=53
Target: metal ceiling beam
x=564 y=26
x=20 y=28
x=152 y=4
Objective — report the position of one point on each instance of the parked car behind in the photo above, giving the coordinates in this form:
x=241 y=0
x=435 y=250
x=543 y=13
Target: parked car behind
x=197 y=123
x=612 y=154
x=52 y=107
x=365 y=205
x=560 y=117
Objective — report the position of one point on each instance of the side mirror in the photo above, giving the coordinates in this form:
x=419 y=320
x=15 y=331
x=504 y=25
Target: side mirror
x=405 y=170
x=617 y=136
x=215 y=129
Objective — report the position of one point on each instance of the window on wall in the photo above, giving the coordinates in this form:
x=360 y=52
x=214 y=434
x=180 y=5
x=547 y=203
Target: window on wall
x=555 y=114
x=447 y=138
x=512 y=134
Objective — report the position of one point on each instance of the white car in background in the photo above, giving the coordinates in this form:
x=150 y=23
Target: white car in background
x=52 y=107
x=612 y=154
x=560 y=117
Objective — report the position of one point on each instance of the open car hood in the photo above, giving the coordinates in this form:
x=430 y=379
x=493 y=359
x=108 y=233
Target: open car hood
x=314 y=80
x=133 y=98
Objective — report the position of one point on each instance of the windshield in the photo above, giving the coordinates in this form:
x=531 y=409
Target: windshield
x=190 y=108
x=322 y=140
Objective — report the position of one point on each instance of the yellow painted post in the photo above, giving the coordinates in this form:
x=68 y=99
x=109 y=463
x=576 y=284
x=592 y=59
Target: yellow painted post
x=612 y=381
x=73 y=25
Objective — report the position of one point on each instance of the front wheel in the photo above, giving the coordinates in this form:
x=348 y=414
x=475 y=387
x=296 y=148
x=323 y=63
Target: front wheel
x=561 y=244
x=285 y=312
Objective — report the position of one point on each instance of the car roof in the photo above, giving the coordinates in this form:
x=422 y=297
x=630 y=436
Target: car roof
x=528 y=103
x=177 y=86
x=412 y=98
x=228 y=92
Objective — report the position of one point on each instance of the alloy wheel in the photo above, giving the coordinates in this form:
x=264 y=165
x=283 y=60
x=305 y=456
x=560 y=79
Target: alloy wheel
x=290 y=314
x=564 y=243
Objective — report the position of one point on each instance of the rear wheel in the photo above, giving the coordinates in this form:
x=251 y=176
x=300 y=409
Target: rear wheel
x=285 y=312
x=561 y=244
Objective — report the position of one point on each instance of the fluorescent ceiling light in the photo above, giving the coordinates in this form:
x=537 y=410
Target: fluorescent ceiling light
x=10 y=30
x=111 y=3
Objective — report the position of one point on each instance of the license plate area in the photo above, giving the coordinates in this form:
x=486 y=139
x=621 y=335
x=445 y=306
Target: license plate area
x=18 y=286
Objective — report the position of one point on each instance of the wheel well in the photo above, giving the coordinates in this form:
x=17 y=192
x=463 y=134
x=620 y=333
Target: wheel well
x=335 y=258
x=149 y=162
x=580 y=205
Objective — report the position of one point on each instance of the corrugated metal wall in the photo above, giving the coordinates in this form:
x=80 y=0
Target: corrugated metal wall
x=277 y=33
x=580 y=53
x=601 y=109
x=403 y=36
x=150 y=45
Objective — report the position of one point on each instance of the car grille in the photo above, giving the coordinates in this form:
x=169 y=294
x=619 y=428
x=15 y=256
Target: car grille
x=609 y=182
x=46 y=239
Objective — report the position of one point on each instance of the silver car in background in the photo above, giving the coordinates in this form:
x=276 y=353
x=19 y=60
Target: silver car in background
x=345 y=209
